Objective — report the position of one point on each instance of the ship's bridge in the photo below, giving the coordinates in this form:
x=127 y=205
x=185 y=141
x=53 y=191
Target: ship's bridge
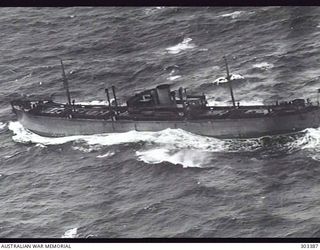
x=162 y=97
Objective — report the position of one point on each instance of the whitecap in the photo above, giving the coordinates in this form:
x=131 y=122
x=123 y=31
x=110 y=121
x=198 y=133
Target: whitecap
x=3 y=126
x=310 y=140
x=151 y=11
x=186 y=158
x=70 y=233
x=184 y=45
x=263 y=65
x=172 y=78
x=85 y=149
x=220 y=80
x=233 y=15
x=108 y=154
x=11 y=156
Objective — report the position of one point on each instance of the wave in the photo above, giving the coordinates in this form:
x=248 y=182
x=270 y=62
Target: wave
x=236 y=14
x=3 y=127
x=311 y=140
x=108 y=154
x=223 y=79
x=172 y=78
x=70 y=233
x=186 y=158
x=151 y=11
x=22 y=135
x=184 y=45
x=263 y=66
x=233 y=15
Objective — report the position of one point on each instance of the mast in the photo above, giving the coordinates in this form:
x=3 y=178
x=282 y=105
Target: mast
x=65 y=83
x=108 y=96
x=229 y=81
x=114 y=96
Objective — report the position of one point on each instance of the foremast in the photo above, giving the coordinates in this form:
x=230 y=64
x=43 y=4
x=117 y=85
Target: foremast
x=229 y=81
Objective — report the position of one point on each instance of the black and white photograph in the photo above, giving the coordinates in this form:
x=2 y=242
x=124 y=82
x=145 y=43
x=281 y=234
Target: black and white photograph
x=160 y=122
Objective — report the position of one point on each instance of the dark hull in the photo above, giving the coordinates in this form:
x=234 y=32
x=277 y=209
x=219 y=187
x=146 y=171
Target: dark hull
x=219 y=128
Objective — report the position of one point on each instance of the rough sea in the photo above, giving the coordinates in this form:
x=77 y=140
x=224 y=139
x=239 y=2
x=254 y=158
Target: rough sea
x=159 y=184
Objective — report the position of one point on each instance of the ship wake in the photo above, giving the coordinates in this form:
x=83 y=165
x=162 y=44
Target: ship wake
x=175 y=145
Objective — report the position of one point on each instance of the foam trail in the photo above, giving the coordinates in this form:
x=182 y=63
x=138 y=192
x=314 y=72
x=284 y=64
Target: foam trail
x=184 y=45
x=71 y=233
x=177 y=137
x=170 y=138
x=171 y=145
x=23 y=135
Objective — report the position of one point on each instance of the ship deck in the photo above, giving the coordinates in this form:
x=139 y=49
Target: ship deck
x=105 y=112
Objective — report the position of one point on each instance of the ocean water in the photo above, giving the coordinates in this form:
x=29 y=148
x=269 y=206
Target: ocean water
x=159 y=184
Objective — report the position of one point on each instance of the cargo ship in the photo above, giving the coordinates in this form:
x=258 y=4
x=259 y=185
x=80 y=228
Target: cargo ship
x=161 y=108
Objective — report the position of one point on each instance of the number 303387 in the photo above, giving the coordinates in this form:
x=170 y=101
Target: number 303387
x=309 y=245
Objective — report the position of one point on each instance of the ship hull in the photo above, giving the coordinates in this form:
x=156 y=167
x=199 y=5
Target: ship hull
x=219 y=128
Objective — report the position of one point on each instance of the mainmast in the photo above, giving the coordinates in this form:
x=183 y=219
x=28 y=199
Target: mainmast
x=65 y=83
x=229 y=82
